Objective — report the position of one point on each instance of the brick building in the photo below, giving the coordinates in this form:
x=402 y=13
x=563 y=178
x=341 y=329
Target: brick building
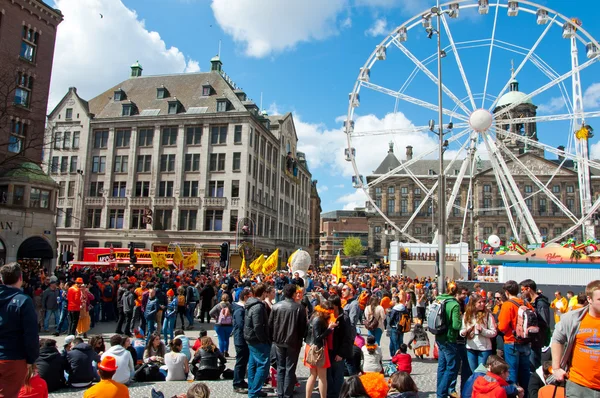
x=338 y=225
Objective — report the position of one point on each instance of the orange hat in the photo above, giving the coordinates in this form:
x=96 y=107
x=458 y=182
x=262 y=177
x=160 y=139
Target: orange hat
x=143 y=284
x=108 y=364
x=79 y=280
x=170 y=293
x=386 y=303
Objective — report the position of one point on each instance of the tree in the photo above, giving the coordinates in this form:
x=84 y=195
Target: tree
x=353 y=247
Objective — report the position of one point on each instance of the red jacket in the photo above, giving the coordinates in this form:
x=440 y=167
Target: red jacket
x=74 y=298
x=403 y=362
x=489 y=386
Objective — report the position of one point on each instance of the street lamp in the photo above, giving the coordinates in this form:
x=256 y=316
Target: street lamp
x=443 y=144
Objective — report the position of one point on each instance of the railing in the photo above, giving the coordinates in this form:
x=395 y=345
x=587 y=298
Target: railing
x=164 y=202
x=235 y=202
x=190 y=202
x=215 y=202
x=65 y=202
x=94 y=201
x=121 y=202
x=140 y=201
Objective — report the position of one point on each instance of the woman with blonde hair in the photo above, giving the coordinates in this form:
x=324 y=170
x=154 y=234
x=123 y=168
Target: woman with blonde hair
x=34 y=386
x=479 y=328
x=374 y=318
x=223 y=315
x=207 y=359
x=319 y=337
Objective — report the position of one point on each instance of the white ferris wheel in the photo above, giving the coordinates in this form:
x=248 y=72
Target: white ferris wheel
x=484 y=113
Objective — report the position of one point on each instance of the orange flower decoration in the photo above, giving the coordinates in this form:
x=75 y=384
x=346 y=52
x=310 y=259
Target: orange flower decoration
x=374 y=384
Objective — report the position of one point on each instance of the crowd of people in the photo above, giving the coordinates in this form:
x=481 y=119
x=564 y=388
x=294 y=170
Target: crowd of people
x=498 y=344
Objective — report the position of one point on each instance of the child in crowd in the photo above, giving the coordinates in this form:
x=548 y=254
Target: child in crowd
x=372 y=356
x=404 y=385
x=494 y=383
x=402 y=360
x=418 y=341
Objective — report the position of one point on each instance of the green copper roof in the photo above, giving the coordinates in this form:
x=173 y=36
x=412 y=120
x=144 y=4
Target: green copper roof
x=28 y=172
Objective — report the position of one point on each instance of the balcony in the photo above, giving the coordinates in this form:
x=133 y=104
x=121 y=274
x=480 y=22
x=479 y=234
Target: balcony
x=94 y=201
x=189 y=202
x=116 y=202
x=65 y=202
x=215 y=202
x=235 y=202
x=164 y=202
x=140 y=201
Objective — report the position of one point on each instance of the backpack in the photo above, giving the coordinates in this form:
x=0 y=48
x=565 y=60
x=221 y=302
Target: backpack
x=372 y=323
x=108 y=291
x=526 y=327
x=225 y=317
x=196 y=294
x=181 y=300
x=437 y=322
x=389 y=369
x=404 y=323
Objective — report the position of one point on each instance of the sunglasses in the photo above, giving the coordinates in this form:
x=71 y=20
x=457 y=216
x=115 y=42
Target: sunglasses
x=498 y=298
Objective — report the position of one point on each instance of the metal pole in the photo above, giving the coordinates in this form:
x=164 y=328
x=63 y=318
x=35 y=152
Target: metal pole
x=441 y=185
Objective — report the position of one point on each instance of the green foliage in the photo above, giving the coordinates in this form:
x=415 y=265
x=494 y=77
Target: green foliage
x=353 y=247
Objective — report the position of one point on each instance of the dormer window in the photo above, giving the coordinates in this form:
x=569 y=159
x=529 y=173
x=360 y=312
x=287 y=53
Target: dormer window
x=174 y=107
x=206 y=90
x=222 y=105
x=162 y=93
x=119 y=95
x=127 y=110
x=431 y=172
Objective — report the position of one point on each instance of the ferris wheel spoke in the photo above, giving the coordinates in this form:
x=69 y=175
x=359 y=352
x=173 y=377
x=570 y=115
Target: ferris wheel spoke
x=459 y=62
x=548 y=118
x=387 y=219
x=414 y=159
x=429 y=74
x=416 y=129
x=582 y=220
x=489 y=63
x=523 y=62
x=545 y=87
x=412 y=100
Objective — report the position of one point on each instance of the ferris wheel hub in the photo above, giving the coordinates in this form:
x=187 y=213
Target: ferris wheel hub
x=481 y=120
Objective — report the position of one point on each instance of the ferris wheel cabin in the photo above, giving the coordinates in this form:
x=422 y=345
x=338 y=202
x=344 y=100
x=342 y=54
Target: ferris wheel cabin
x=365 y=74
x=381 y=52
x=542 y=17
x=402 y=34
x=513 y=8
x=484 y=7
x=454 y=10
x=592 y=50
x=568 y=31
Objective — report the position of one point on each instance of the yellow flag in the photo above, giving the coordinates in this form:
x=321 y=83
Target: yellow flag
x=270 y=264
x=256 y=265
x=243 y=268
x=159 y=260
x=178 y=256
x=191 y=261
x=337 y=268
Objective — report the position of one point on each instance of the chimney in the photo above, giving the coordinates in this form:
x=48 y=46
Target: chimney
x=561 y=153
x=409 y=152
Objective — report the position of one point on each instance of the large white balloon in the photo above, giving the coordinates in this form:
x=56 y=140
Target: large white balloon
x=494 y=241
x=300 y=262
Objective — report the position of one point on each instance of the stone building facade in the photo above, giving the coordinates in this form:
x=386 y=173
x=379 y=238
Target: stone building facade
x=315 y=223
x=338 y=225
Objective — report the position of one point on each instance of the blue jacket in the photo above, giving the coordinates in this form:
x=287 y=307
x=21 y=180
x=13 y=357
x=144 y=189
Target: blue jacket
x=239 y=314
x=172 y=308
x=151 y=309
x=19 y=338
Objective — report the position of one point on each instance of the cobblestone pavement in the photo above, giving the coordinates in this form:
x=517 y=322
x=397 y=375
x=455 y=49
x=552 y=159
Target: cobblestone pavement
x=424 y=371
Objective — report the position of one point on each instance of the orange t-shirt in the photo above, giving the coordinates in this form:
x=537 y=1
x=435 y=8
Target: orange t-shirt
x=548 y=392
x=585 y=363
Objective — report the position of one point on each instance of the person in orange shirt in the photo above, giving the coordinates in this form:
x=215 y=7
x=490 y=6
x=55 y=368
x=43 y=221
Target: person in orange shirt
x=560 y=305
x=107 y=388
x=576 y=347
x=138 y=314
x=74 y=305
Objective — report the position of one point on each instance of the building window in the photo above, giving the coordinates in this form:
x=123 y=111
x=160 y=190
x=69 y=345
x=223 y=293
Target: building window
x=144 y=163
x=391 y=190
x=96 y=188
x=187 y=220
x=167 y=163
x=142 y=189
x=23 y=90
x=118 y=95
x=193 y=136
x=98 y=164
x=127 y=110
x=556 y=189
x=61 y=189
x=571 y=204
x=162 y=220
x=391 y=206
x=544 y=231
x=121 y=164
x=145 y=137
x=215 y=189
x=100 y=139
x=39 y=198
x=404 y=206
x=73 y=166
x=115 y=218
x=75 y=140
x=18 y=132
x=54 y=165
x=165 y=189
x=58 y=140
x=218 y=135
x=217 y=162
x=64 y=164
x=68 y=218
x=93 y=218
x=542 y=206
x=233 y=220
x=528 y=189
x=173 y=107
x=237 y=135
x=570 y=189
x=487 y=188
x=123 y=137
x=213 y=220
x=119 y=189
x=161 y=93
x=169 y=136
x=417 y=191
x=501 y=230
x=529 y=203
x=206 y=91
x=487 y=231
x=29 y=42
x=235 y=188
x=192 y=162
x=557 y=231
x=190 y=189
x=487 y=203
x=378 y=191
x=237 y=160
x=417 y=230
x=71 y=189
x=69 y=113
x=137 y=219
x=222 y=106
x=67 y=140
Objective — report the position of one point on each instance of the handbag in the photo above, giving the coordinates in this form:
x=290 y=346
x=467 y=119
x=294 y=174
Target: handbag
x=316 y=356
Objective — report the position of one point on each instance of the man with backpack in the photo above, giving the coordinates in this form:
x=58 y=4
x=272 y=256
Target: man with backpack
x=242 y=354
x=515 y=316
x=542 y=310
x=398 y=323
x=444 y=322
x=192 y=298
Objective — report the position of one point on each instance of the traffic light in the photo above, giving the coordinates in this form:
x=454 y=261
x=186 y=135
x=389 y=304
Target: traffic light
x=132 y=256
x=437 y=263
x=224 y=254
x=70 y=256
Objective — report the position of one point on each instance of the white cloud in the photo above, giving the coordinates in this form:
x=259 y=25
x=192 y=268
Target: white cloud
x=554 y=105
x=94 y=53
x=273 y=109
x=270 y=26
x=379 y=28
x=591 y=96
x=322 y=188
x=339 y=186
x=353 y=200
x=347 y=23
x=595 y=151
x=406 y=6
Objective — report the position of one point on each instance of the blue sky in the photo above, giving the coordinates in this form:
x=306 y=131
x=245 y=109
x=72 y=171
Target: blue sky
x=304 y=57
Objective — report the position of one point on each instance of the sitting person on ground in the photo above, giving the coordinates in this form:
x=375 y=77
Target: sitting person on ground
x=493 y=383
x=177 y=363
x=51 y=365
x=185 y=343
x=155 y=350
x=540 y=383
x=207 y=359
x=107 y=387
x=369 y=385
x=80 y=366
x=125 y=366
x=139 y=344
x=67 y=346
x=197 y=390
x=372 y=356
x=418 y=341
x=403 y=360
x=198 y=342
x=127 y=345
x=404 y=385
x=34 y=386
x=480 y=371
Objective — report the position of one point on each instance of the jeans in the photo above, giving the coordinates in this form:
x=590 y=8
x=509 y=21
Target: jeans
x=396 y=339
x=517 y=357
x=191 y=307
x=463 y=367
x=121 y=321
x=287 y=359
x=168 y=327
x=223 y=333
x=63 y=323
x=476 y=358
x=258 y=367
x=377 y=334
x=151 y=325
x=447 y=370
x=107 y=311
x=73 y=320
x=335 y=377
x=574 y=390
x=49 y=313
x=242 y=355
